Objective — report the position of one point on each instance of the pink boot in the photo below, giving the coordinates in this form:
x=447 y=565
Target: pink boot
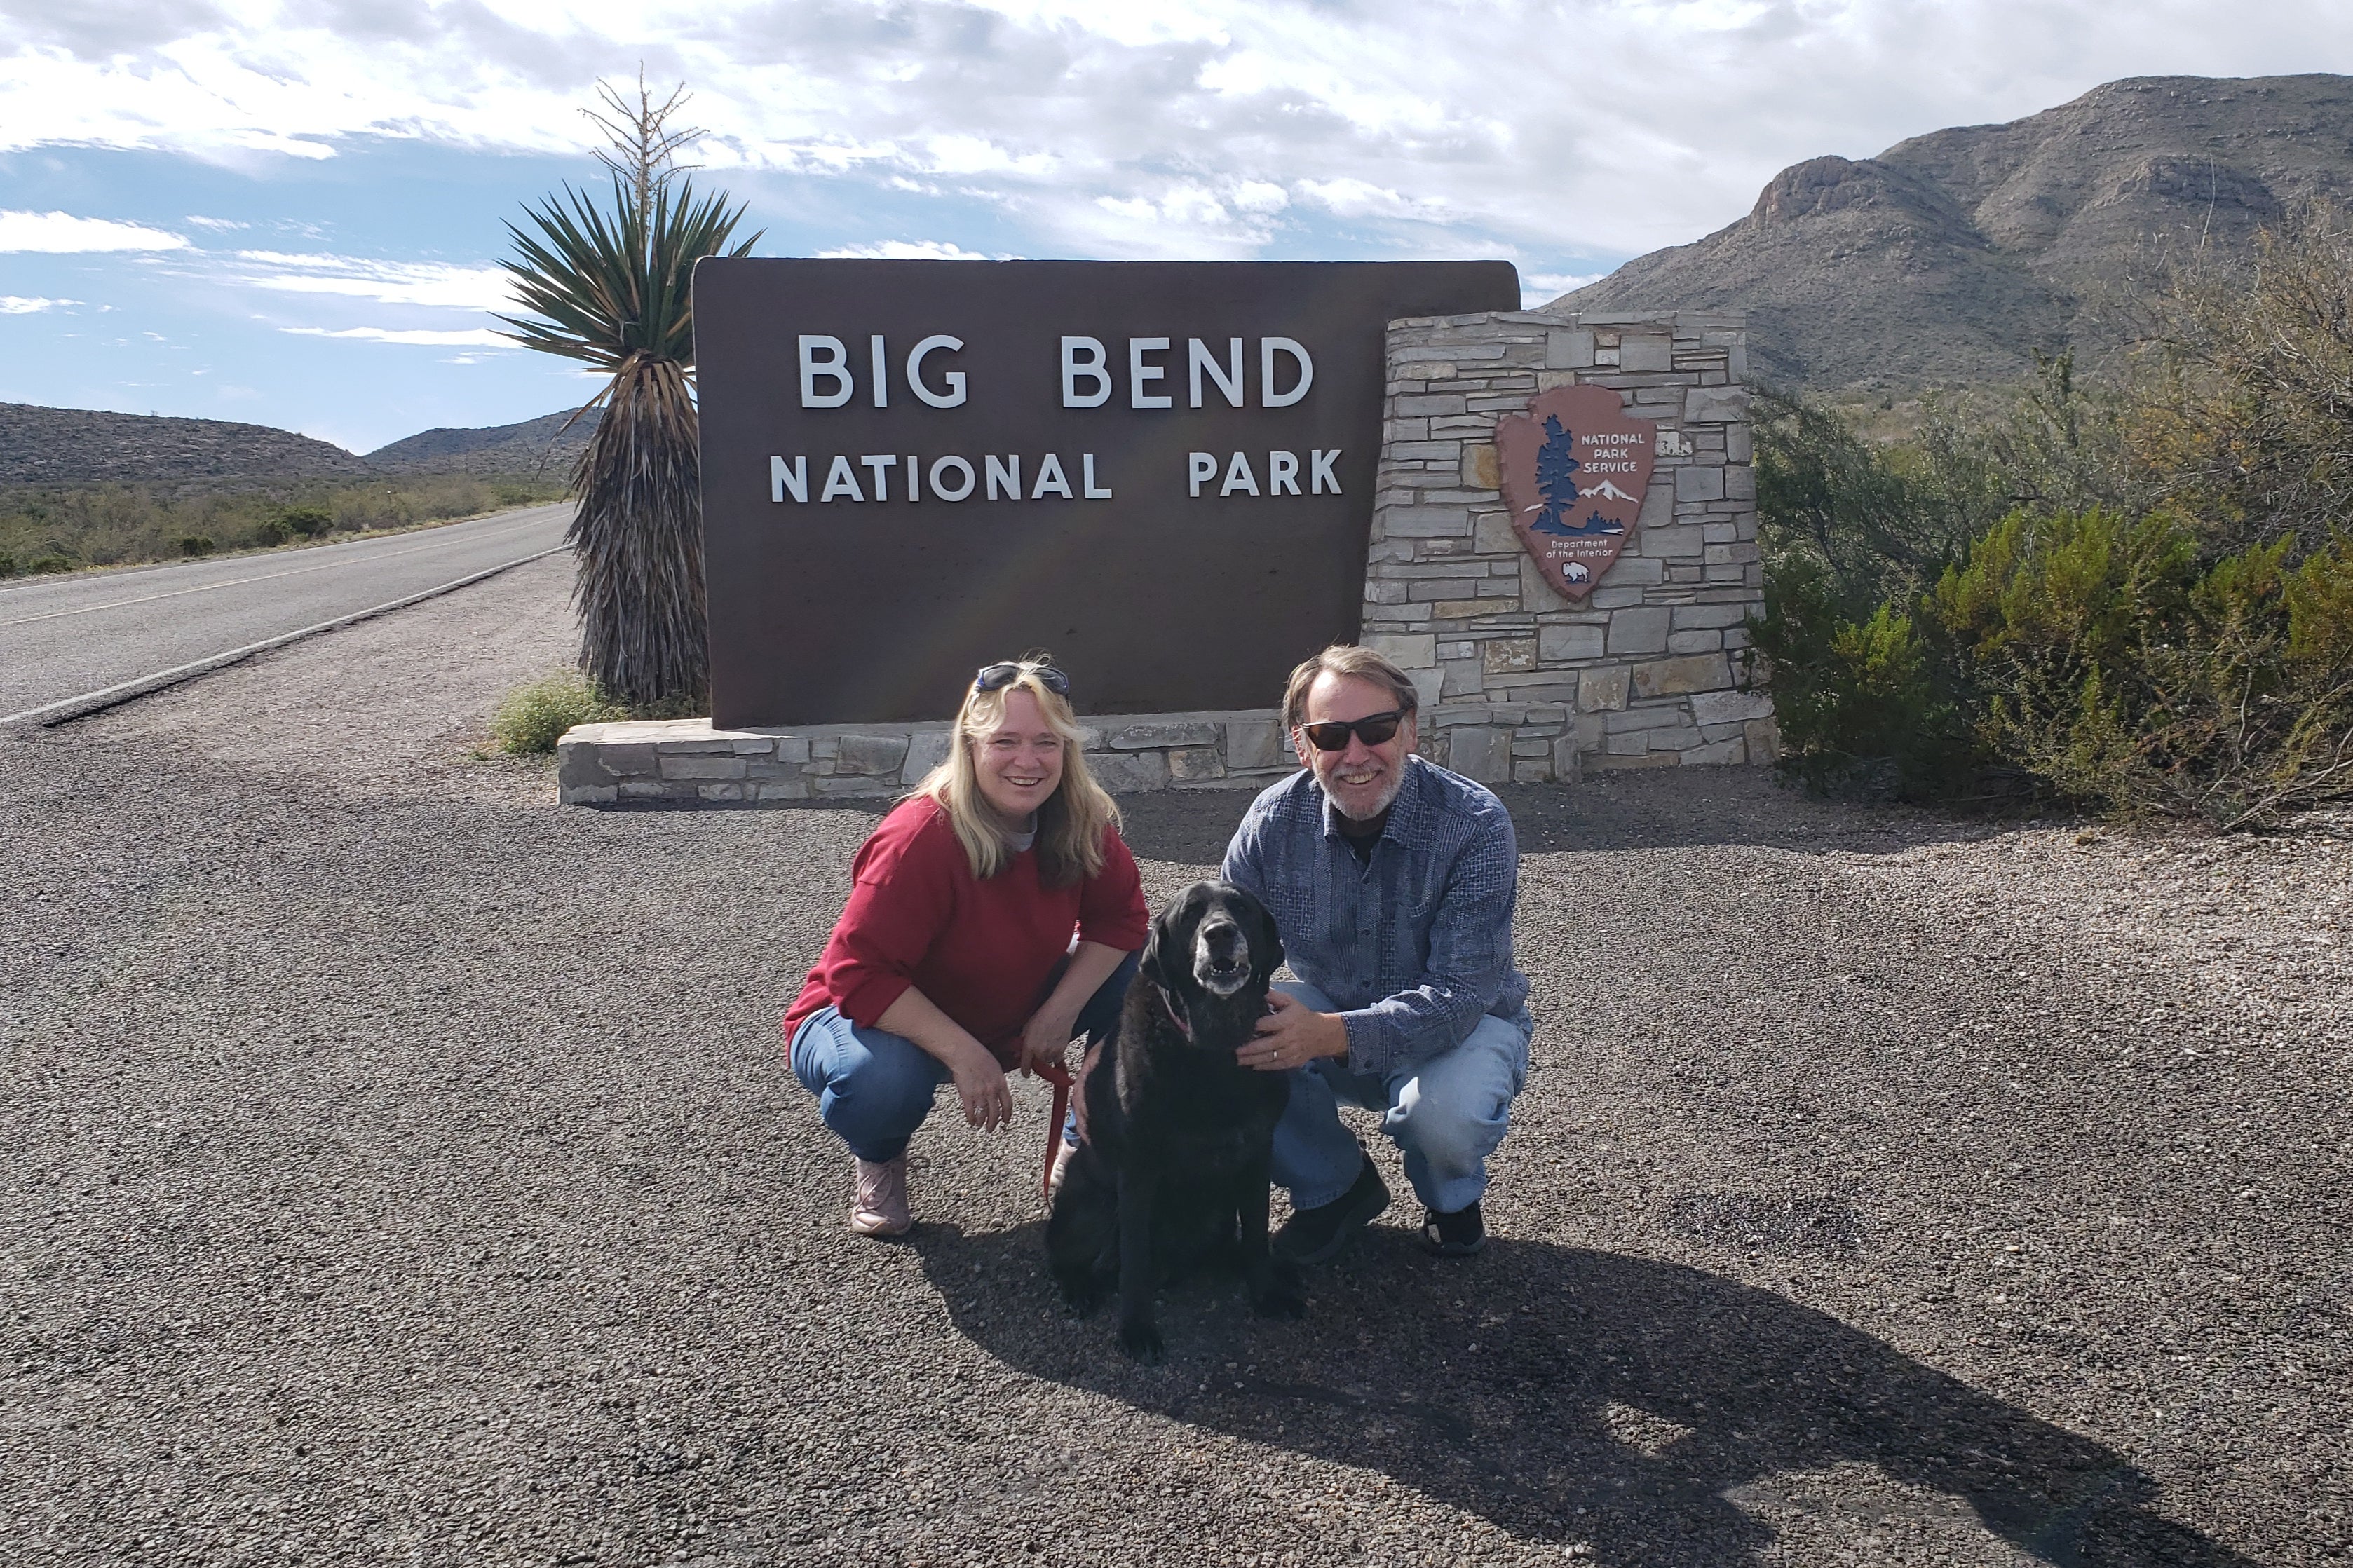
x=880 y=1206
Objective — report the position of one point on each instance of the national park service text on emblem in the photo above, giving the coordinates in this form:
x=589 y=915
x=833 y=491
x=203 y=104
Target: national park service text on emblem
x=1575 y=468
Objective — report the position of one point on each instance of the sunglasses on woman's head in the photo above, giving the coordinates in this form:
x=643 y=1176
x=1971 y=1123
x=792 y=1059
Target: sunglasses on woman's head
x=994 y=676
x=1332 y=734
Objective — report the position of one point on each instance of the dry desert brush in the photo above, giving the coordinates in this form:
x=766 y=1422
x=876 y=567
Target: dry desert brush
x=611 y=288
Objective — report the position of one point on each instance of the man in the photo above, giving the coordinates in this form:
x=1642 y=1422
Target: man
x=1392 y=882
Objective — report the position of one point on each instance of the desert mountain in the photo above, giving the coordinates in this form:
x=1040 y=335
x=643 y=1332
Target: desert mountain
x=78 y=446
x=1955 y=256
x=539 y=446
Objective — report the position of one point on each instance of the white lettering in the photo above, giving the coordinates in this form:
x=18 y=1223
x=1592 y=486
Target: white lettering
x=1050 y=478
x=914 y=478
x=1202 y=468
x=1084 y=357
x=1009 y=472
x=882 y=375
x=1320 y=472
x=839 y=481
x=1138 y=372
x=879 y=465
x=835 y=364
x=1087 y=480
x=1198 y=358
x=1267 y=395
x=1282 y=473
x=782 y=478
x=960 y=466
x=954 y=396
x=1238 y=476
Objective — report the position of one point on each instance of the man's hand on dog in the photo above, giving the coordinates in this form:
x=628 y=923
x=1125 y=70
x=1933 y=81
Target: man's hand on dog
x=1292 y=1035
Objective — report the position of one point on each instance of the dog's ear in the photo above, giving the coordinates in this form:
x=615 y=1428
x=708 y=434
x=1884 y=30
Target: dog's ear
x=1268 y=942
x=1164 y=944
x=1153 y=965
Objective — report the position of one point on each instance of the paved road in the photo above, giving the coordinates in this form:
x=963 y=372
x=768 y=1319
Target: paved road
x=63 y=637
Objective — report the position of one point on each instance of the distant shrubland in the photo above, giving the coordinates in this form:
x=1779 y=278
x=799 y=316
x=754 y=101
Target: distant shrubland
x=65 y=528
x=2130 y=592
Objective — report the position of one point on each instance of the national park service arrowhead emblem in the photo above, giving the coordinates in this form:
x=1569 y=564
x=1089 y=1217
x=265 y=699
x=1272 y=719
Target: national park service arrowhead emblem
x=1574 y=469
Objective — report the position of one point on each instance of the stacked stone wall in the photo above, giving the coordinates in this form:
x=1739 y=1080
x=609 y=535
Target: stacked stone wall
x=686 y=761
x=1518 y=682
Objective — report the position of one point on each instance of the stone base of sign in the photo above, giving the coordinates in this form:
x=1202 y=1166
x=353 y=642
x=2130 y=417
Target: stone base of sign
x=1525 y=684
x=686 y=761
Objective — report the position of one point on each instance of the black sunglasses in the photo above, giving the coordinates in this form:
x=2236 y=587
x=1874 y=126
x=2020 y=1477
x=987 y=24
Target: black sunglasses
x=1332 y=735
x=993 y=676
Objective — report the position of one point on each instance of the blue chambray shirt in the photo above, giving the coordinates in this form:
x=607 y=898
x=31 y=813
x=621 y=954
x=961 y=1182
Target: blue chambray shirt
x=1415 y=945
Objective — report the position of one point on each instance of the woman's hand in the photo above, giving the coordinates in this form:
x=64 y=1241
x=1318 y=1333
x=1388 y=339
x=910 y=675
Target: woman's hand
x=980 y=1085
x=1046 y=1038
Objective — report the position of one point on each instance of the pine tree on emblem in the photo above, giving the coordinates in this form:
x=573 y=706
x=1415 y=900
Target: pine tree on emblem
x=1557 y=467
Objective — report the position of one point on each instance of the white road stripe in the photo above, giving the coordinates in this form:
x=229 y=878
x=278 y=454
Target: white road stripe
x=93 y=702
x=239 y=582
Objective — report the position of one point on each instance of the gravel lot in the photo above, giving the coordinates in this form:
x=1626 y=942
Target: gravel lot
x=400 y=1169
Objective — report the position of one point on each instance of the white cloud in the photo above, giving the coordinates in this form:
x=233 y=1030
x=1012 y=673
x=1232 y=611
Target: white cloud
x=385 y=282
x=470 y=337
x=1543 y=287
x=1568 y=130
x=60 y=233
x=215 y=222
x=25 y=305
x=912 y=250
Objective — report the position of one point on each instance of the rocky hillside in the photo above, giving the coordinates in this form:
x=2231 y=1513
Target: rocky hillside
x=1953 y=257
x=52 y=447
x=535 y=447
x=77 y=446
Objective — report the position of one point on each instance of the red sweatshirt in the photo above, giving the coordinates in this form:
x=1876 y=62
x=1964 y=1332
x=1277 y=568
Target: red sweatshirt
x=982 y=952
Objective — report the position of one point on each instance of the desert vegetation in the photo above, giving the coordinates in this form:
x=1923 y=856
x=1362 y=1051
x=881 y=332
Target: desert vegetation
x=67 y=528
x=2131 y=592
x=610 y=287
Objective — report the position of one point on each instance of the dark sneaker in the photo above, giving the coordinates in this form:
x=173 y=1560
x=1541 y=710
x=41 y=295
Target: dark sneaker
x=1317 y=1235
x=1456 y=1234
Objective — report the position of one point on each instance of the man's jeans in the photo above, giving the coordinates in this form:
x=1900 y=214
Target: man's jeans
x=1446 y=1115
x=874 y=1088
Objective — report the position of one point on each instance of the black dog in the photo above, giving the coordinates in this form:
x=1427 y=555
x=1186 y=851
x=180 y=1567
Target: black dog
x=1180 y=1134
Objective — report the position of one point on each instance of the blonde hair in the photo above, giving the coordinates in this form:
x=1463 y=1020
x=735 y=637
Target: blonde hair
x=1071 y=823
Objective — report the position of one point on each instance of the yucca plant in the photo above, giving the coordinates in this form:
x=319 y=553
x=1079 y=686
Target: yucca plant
x=610 y=288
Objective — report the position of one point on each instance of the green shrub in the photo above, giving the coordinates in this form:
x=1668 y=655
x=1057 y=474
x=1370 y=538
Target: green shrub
x=309 y=522
x=273 y=531
x=41 y=563
x=2090 y=655
x=7 y=564
x=196 y=544
x=533 y=718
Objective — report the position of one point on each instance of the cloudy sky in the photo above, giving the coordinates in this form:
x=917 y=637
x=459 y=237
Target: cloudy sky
x=293 y=212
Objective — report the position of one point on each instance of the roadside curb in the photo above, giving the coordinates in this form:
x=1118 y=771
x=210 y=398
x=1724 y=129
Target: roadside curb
x=98 y=701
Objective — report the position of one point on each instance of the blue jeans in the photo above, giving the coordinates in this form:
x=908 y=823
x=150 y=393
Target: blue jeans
x=874 y=1088
x=1446 y=1115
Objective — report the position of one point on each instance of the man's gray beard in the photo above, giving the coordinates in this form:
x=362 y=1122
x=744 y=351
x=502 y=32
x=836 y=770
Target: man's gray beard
x=1389 y=797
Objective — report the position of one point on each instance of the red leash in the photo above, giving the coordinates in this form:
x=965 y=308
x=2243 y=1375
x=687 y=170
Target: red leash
x=1060 y=1077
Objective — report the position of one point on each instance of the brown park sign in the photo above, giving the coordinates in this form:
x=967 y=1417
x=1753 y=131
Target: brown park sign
x=1165 y=472
x=1576 y=467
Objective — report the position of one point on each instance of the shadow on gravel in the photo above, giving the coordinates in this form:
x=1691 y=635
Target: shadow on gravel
x=1661 y=1414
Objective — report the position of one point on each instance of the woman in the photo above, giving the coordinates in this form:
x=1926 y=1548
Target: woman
x=954 y=958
